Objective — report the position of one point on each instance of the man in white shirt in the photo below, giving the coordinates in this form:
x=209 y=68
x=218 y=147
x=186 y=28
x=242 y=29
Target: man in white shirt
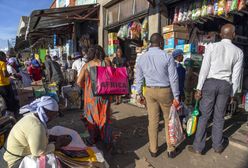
x=219 y=79
x=80 y=60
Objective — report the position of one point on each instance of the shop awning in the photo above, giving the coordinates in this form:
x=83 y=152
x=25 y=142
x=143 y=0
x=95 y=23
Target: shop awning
x=44 y=22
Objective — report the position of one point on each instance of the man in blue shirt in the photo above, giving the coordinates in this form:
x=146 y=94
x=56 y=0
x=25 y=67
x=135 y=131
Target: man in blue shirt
x=159 y=71
x=178 y=56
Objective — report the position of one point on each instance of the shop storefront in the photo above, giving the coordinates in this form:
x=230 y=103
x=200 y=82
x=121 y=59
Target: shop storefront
x=194 y=24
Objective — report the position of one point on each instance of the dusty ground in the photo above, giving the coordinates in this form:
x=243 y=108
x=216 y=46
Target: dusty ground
x=131 y=124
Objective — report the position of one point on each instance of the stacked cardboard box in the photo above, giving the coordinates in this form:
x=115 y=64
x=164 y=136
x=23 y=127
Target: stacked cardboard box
x=25 y=95
x=174 y=35
x=113 y=43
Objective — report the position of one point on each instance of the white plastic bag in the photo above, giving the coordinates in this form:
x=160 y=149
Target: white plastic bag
x=176 y=134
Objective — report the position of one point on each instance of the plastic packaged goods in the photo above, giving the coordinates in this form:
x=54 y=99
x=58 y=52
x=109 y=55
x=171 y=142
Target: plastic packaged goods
x=175 y=19
x=228 y=6
x=180 y=14
x=204 y=8
x=234 y=6
x=185 y=13
x=189 y=13
x=210 y=9
x=198 y=9
x=194 y=11
x=135 y=30
x=144 y=30
x=215 y=7
x=221 y=7
x=242 y=5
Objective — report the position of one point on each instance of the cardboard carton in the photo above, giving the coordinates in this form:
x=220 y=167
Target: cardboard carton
x=174 y=28
x=177 y=35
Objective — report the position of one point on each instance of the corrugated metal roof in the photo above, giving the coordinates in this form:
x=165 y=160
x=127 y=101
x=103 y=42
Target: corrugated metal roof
x=41 y=21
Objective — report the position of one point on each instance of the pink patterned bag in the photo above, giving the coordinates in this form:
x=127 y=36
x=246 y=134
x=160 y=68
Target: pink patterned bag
x=109 y=80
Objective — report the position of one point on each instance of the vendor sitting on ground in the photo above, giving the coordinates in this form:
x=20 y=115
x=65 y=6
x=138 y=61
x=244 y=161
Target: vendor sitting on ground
x=29 y=135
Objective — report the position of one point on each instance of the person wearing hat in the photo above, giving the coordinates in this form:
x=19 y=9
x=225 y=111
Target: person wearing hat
x=178 y=56
x=80 y=60
x=34 y=70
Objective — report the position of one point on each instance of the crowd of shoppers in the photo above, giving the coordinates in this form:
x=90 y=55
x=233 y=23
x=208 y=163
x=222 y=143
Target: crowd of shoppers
x=164 y=76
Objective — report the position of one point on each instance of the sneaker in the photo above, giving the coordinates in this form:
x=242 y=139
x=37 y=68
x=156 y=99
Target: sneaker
x=192 y=150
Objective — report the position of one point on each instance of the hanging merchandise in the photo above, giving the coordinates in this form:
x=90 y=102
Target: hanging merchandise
x=198 y=9
x=192 y=122
x=204 y=8
x=210 y=10
x=123 y=32
x=228 y=6
x=215 y=7
x=242 y=5
x=194 y=11
x=175 y=19
x=221 y=7
x=144 y=30
x=180 y=14
x=135 y=30
x=189 y=13
x=234 y=6
x=185 y=13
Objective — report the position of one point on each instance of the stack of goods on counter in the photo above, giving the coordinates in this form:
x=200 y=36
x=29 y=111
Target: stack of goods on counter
x=25 y=95
x=174 y=35
x=206 y=8
x=177 y=37
x=113 y=43
x=134 y=91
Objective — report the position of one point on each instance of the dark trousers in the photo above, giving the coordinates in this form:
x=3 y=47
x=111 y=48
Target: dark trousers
x=215 y=95
x=8 y=95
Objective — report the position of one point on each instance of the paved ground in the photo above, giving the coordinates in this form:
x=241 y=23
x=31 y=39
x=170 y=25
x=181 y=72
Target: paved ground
x=131 y=124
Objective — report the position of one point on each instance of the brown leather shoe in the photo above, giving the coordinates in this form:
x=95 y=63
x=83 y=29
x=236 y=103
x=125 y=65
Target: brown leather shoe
x=192 y=150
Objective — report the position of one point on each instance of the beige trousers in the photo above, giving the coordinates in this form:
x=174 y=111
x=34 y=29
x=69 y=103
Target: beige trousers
x=158 y=99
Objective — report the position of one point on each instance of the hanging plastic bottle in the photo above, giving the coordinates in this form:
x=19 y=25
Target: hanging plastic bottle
x=221 y=7
x=210 y=9
x=189 y=13
x=198 y=9
x=215 y=7
x=175 y=19
x=234 y=6
x=204 y=8
x=228 y=6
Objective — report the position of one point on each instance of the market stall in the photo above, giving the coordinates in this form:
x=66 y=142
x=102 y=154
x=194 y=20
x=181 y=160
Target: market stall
x=130 y=32
x=195 y=24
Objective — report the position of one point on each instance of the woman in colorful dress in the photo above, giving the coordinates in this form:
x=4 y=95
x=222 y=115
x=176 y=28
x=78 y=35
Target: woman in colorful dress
x=96 y=108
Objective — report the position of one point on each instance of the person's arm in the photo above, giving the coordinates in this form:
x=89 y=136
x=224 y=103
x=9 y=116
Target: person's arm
x=4 y=70
x=38 y=142
x=236 y=74
x=139 y=78
x=205 y=67
x=81 y=76
x=173 y=78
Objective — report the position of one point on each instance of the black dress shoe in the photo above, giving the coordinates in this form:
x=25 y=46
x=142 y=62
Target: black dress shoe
x=223 y=147
x=153 y=154
x=173 y=154
x=192 y=150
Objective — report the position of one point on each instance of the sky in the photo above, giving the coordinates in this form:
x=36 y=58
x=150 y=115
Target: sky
x=11 y=12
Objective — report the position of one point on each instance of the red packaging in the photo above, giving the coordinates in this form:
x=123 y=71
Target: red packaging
x=201 y=49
